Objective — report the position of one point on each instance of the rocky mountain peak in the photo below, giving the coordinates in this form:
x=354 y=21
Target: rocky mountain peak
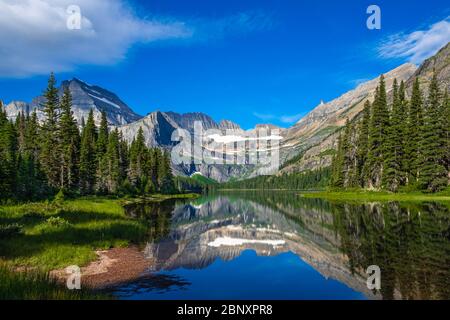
x=227 y=124
x=84 y=98
x=440 y=64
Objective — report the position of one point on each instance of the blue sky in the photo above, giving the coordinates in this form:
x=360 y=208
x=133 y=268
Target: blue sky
x=247 y=61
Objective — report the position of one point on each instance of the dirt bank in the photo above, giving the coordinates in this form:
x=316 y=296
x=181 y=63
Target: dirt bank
x=113 y=267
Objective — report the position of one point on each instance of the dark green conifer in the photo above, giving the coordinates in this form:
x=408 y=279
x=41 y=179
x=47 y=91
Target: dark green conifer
x=50 y=145
x=69 y=137
x=433 y=174
x=363 y=145
x=379 y=123
x=415 y=124
x=393 y=155
x=88 y=158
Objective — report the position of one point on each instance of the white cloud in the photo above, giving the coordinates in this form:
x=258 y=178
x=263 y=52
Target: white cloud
x=283 y=118
x=34 y=38
x=418 y=45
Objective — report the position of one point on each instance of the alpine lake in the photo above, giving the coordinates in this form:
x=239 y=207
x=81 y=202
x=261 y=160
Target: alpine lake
x=280 y=245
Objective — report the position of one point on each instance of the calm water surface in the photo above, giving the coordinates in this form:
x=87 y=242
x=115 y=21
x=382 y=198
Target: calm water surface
x=277 y=245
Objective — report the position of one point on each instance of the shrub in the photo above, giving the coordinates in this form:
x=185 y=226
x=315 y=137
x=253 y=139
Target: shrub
x=60 y=197
x=57 y=222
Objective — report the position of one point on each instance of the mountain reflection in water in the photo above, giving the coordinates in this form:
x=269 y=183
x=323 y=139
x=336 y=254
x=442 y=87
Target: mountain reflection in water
x=278 y=245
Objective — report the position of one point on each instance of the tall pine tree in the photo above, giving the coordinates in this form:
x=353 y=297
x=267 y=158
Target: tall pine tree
x=113 y=162
x=88 y=158
x=69 y=137
x=102 y=159
x=50 y=145
x=363 y=145
x=414 y=126
x=8 y=156
x=392 y=173
x=377 y=136
x=433 y=174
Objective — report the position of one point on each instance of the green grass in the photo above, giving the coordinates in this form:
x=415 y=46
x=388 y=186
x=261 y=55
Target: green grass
x=54 y=236
x=362 y=196
x=37 y=285
x=44 y=236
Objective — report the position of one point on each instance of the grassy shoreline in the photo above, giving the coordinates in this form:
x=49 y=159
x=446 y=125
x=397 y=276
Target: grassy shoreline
x=44 y=236
x=362 y=196
x=54 y=235
x=359 y=195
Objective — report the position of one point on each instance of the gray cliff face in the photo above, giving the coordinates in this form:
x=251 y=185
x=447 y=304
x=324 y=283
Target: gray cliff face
x=14 y=108
x=157 y=127
x=439 y=63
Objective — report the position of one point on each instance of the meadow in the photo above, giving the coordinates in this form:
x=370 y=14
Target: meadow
x=36 y=238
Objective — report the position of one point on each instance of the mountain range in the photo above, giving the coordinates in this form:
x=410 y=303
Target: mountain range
x=304 y=146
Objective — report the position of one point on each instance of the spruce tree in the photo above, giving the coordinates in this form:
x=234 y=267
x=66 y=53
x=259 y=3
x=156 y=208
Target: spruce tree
x=168 y=184
x=113 y=162
x=102 y=141
x=433 y=174
x=393 y=155
x=403 y=133
x=50 y=147
x=379 y=123
x=21 y=128
x=88 y=159
x=414 y=126
x=349 y=165
x=363 y=145
x=123 y=157
x=69 y=137
x=102 y=160
x=337 y=178
x=8 y=157
x=32 y=134
x=446 y=125
x=138 y=158
x=36 y=183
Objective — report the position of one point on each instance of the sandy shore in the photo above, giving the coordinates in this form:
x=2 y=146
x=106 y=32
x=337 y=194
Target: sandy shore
x=113 y=267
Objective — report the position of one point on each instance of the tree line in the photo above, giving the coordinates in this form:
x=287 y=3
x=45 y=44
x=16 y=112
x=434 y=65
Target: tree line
x=401 y=145
x=39 y=159
x=315 y=179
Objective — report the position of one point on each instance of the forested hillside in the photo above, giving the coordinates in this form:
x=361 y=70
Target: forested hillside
x=39 y=159
x=317 y=179
x=404 y=143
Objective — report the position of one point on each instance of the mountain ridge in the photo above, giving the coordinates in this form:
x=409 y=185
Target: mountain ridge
x=308 y=139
